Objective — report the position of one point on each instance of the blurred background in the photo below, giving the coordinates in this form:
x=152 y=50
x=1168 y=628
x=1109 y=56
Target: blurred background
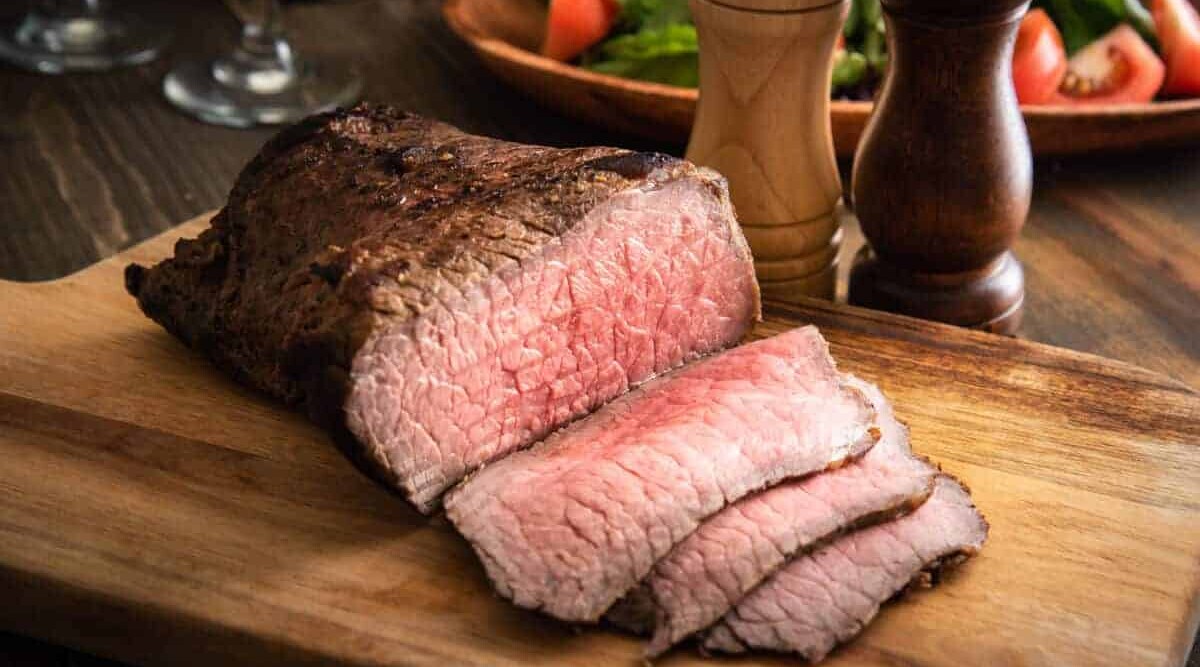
x=94 y=162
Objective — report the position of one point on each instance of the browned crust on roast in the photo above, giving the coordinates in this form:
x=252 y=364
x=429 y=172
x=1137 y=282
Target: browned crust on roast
x=343 y=224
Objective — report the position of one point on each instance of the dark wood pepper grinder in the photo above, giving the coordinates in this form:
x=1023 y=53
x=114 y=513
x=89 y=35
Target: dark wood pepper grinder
x=943 y=174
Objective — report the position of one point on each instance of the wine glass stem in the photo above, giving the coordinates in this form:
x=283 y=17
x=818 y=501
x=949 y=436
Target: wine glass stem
x=263 y=62
x=260 y=37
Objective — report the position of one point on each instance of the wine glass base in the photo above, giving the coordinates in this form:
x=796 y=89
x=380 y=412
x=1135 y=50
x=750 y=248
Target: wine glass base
x=317 y=88
x=53 y=45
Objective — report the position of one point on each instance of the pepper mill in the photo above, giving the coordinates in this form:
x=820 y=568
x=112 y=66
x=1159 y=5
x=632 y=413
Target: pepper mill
x=763 y=122
x=943 y=173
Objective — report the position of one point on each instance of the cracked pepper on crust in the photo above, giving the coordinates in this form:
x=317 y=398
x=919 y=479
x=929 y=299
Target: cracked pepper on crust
x=439 y=299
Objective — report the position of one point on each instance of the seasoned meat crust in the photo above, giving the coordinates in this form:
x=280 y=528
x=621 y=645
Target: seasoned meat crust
x=299 y=249
x=358 y=224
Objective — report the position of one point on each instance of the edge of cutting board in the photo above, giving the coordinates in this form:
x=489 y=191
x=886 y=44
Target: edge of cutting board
x=102 y=619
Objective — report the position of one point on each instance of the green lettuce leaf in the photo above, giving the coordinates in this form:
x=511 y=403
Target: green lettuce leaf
x=665 y=55
x=1082 y=22
x=653 y=14
x=849 y=69
x=864 y=32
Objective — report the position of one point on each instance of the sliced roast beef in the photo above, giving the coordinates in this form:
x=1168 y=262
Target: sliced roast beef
x=442 y=299
x=571 y=524
x=828 y=597
x=733 y=551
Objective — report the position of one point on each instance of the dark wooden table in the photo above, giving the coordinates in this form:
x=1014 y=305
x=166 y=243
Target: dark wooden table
x=90 y=164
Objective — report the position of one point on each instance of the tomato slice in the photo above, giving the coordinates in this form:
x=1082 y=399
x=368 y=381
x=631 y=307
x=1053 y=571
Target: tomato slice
x=1178 y=27
x=574 y=26
x=1118 y=68
x=1039 y=59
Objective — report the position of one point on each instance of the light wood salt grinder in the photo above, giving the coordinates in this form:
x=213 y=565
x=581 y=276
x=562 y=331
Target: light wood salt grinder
x=763 y=122
x=943 y=174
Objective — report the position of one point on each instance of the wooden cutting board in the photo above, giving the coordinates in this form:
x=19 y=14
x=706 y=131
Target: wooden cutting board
x=153 y=511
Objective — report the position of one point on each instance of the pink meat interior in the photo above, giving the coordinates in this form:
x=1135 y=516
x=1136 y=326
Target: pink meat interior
x=705 y=575
x=571 y=524
x=646 y=281
x=825 y=598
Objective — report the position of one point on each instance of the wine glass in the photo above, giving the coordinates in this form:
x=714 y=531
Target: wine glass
x=262 y=81
x=56 y=36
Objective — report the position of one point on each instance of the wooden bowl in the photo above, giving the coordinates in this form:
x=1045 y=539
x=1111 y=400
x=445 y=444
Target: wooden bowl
x=506 y=33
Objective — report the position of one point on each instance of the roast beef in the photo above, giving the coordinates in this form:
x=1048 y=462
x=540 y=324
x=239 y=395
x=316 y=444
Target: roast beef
x=571 y=524
x=441 y=299
x=707 y=573
x=828 y=597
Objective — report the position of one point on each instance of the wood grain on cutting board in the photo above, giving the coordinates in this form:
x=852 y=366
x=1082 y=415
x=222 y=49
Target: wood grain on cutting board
x=153 y=511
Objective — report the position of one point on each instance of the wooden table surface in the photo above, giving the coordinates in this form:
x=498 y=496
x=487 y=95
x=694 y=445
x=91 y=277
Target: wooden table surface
x=90 y=164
